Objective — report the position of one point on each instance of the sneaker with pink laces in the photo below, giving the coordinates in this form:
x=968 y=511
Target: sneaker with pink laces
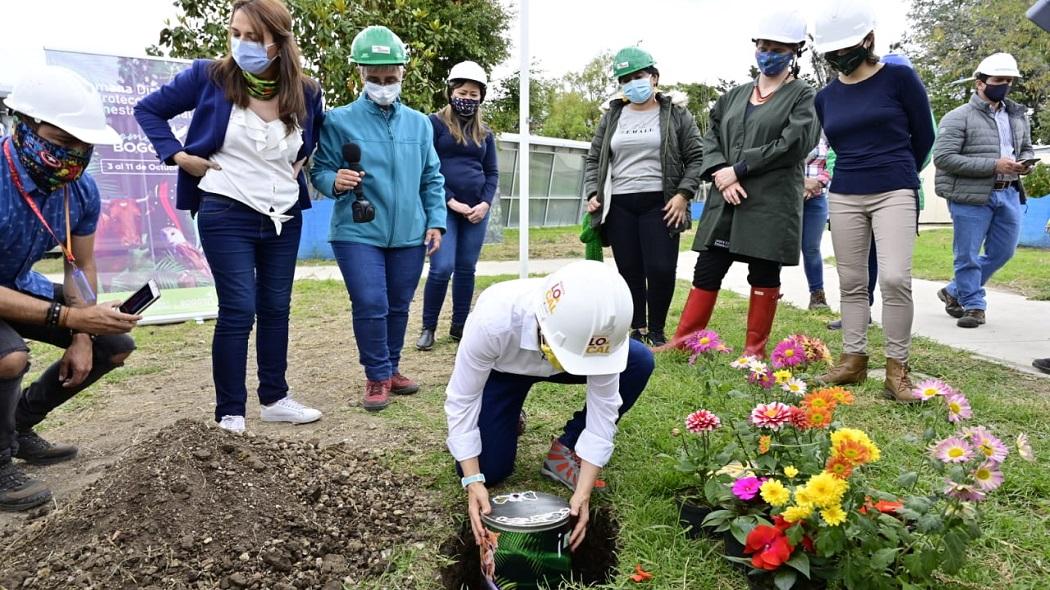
x=563 y=466
x=377 y=395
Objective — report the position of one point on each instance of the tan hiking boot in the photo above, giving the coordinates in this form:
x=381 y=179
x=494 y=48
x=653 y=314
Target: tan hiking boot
x=898 y=385
x=851 y=368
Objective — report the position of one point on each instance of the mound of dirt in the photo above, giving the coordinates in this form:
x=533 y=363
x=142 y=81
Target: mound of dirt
x=195 y=507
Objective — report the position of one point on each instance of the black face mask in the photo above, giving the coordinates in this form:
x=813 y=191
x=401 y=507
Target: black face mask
x=996 y=92
x=848 y=62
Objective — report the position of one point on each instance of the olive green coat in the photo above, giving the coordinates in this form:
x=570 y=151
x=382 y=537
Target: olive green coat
x=773 y=142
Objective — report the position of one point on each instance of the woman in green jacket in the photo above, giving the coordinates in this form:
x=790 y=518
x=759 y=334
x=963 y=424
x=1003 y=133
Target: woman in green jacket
x=754 y=153
x=642 y=170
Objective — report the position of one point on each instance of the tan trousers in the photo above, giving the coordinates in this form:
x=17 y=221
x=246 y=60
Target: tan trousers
x=891 y=218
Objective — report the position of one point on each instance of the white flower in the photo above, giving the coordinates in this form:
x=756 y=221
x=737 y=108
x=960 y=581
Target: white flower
x=795 y=386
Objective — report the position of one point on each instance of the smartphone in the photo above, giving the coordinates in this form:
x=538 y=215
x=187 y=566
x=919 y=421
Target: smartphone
x=1031 y=162
x=141 y=299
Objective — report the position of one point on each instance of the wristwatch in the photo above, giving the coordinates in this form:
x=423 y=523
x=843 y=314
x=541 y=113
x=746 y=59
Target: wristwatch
x=476 y=478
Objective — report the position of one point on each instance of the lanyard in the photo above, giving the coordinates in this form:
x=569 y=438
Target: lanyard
x=66 y=247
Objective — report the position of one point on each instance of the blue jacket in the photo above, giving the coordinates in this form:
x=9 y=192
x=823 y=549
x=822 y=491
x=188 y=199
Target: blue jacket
x=471 y=171
x=194 y=89
x=402 y=173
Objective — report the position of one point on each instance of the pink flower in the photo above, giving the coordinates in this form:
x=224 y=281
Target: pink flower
x=987 y=476
x=986 y=444
x=788 y=353
x=965 y=492
x=931 y=388
x=816 y=350
x=772 y=415
x=702 y=421
x=952 y=450
x=703 y=341
x=746 y=488
x=765 y=378
x=958 y=407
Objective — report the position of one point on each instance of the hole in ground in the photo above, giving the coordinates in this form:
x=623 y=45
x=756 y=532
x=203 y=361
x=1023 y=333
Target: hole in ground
x=593 y=563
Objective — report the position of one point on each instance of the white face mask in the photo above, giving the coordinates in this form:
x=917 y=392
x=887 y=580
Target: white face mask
x=383 y=95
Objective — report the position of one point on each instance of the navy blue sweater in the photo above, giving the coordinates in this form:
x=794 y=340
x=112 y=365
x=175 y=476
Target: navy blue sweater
x=880 y=131
x=471 y=171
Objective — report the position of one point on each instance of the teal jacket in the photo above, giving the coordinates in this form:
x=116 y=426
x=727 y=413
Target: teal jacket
x=402 y=173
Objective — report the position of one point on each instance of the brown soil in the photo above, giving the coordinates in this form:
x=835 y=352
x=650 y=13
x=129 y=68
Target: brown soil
x=196 y=507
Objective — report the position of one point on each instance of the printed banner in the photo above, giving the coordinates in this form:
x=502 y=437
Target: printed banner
x=140 y=234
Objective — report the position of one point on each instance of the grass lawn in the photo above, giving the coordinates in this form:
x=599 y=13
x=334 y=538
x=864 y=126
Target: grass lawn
x=1028 y=272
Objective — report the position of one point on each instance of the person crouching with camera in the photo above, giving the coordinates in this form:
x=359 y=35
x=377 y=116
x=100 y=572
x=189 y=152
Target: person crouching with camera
x=46 y=193
x=376 y=158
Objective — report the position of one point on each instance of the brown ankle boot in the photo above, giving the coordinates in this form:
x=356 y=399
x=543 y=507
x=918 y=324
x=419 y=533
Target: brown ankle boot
x=898 y=386
x=851 y=368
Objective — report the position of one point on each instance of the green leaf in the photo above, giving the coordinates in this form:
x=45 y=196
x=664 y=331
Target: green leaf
x=795 y=534
x=929 y=434
x=785 y=579
x=929 y=523
x=800 y=561
x=908 y=479
x=954 y=551
x=881 y=559
x=716 y=518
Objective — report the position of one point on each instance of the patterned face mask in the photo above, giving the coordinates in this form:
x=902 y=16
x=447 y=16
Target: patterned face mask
x=50 y=165
x=464 y=107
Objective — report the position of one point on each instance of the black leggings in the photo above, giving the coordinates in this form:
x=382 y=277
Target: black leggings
x=646 y=254
x=713 y=264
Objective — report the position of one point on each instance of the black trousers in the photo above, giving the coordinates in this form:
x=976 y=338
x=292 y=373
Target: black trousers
x=713 y=264
x=646 y=254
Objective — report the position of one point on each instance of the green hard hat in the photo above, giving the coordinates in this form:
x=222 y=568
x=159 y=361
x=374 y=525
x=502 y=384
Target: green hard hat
x=631 y=59
x=377 y=46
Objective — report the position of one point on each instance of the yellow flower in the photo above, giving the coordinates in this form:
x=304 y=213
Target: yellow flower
x=825 y=490
x=782 y=376
x=843 y=435
x=834 y=515
x=803 y=497
x=797 y=513
x=774 y=493
x=764 y=442
x=790 y=471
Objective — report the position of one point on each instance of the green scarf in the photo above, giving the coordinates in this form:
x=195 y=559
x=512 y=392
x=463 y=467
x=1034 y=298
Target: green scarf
x=590 y=237
x=259 y=88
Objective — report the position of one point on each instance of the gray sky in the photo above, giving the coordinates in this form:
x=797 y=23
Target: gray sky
x=692 y=40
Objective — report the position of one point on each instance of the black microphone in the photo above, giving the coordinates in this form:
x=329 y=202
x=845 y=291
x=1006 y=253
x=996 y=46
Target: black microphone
x=352 y=156
x=362 y=210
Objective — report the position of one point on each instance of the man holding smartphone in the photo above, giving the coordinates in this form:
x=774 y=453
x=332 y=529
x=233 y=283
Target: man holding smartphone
x=983 y=147
x=45 y=193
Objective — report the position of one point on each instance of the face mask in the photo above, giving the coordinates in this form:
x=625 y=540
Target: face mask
x=638 y=90
x=250 y=56
x=848 y=62
x=996 y=92
x=465 y=107
x=383 y=95
x=50 y=165
x=772 y=63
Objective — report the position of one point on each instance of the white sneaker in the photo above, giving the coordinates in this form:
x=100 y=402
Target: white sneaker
x=289 y=410
x=234 y=424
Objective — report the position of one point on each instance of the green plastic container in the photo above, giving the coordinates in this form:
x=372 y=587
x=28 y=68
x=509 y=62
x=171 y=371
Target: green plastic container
x=528 y=542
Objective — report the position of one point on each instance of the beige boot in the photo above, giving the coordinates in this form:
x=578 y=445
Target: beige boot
x=851 y=368
x=898 y=386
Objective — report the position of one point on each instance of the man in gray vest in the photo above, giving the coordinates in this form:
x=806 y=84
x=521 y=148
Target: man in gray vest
x=980 y=152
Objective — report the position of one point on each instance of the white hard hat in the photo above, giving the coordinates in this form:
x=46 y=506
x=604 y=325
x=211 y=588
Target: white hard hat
x=468 y=70
x=62 y=98
x=842 y=24
x=584 y=311
x=782 y=26
x=998 y=64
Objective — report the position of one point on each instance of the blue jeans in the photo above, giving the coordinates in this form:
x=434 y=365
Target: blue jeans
x=254 y=269
x=381 y=283
x=457 y=258
x=996 y=225
x=505 y=393
x=814 y=218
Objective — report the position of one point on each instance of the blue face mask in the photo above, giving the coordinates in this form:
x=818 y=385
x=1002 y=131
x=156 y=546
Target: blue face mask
x=638 y=90
x=772 y=63
x=250 y=56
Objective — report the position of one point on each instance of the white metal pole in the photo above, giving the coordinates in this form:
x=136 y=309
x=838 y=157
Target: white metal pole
x=523 y=144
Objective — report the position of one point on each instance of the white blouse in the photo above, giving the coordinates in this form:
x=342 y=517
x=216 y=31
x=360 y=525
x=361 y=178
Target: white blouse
x=256 y=161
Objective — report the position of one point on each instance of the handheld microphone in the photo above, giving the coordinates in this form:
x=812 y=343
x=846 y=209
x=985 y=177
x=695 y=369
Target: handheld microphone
x=363 y=211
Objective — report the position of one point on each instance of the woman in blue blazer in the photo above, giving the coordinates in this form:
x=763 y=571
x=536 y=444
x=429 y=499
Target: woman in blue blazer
x=256 y=119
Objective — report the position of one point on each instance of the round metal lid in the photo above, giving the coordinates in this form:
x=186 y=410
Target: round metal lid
x=527 y=512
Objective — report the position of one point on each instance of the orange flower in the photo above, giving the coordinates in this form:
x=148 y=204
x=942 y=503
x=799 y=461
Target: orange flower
x=817 y=418
x=819 y=400
x=839 y=467
x=841 y=395
x=852 y=452
x=763 y=444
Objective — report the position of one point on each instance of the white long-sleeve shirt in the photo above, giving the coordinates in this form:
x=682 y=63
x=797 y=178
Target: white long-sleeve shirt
x=502 y=334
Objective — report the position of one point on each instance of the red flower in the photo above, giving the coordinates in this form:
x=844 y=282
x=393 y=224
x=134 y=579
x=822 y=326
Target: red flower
x=768 y=546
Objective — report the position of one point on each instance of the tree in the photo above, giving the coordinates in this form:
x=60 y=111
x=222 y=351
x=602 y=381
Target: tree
x=950 y=37
x=572 y=116
x=701 y=98
x=439 y=35
x=501 y=104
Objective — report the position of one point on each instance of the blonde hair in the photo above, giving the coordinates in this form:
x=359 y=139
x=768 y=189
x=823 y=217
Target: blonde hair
x=474 y=129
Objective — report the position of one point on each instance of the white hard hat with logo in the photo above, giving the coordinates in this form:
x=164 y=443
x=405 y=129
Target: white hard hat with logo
x=841 y=24
x=998 y=64
x=584 y=311
x=782 y=26
x=59 y=96
x=468 y=70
